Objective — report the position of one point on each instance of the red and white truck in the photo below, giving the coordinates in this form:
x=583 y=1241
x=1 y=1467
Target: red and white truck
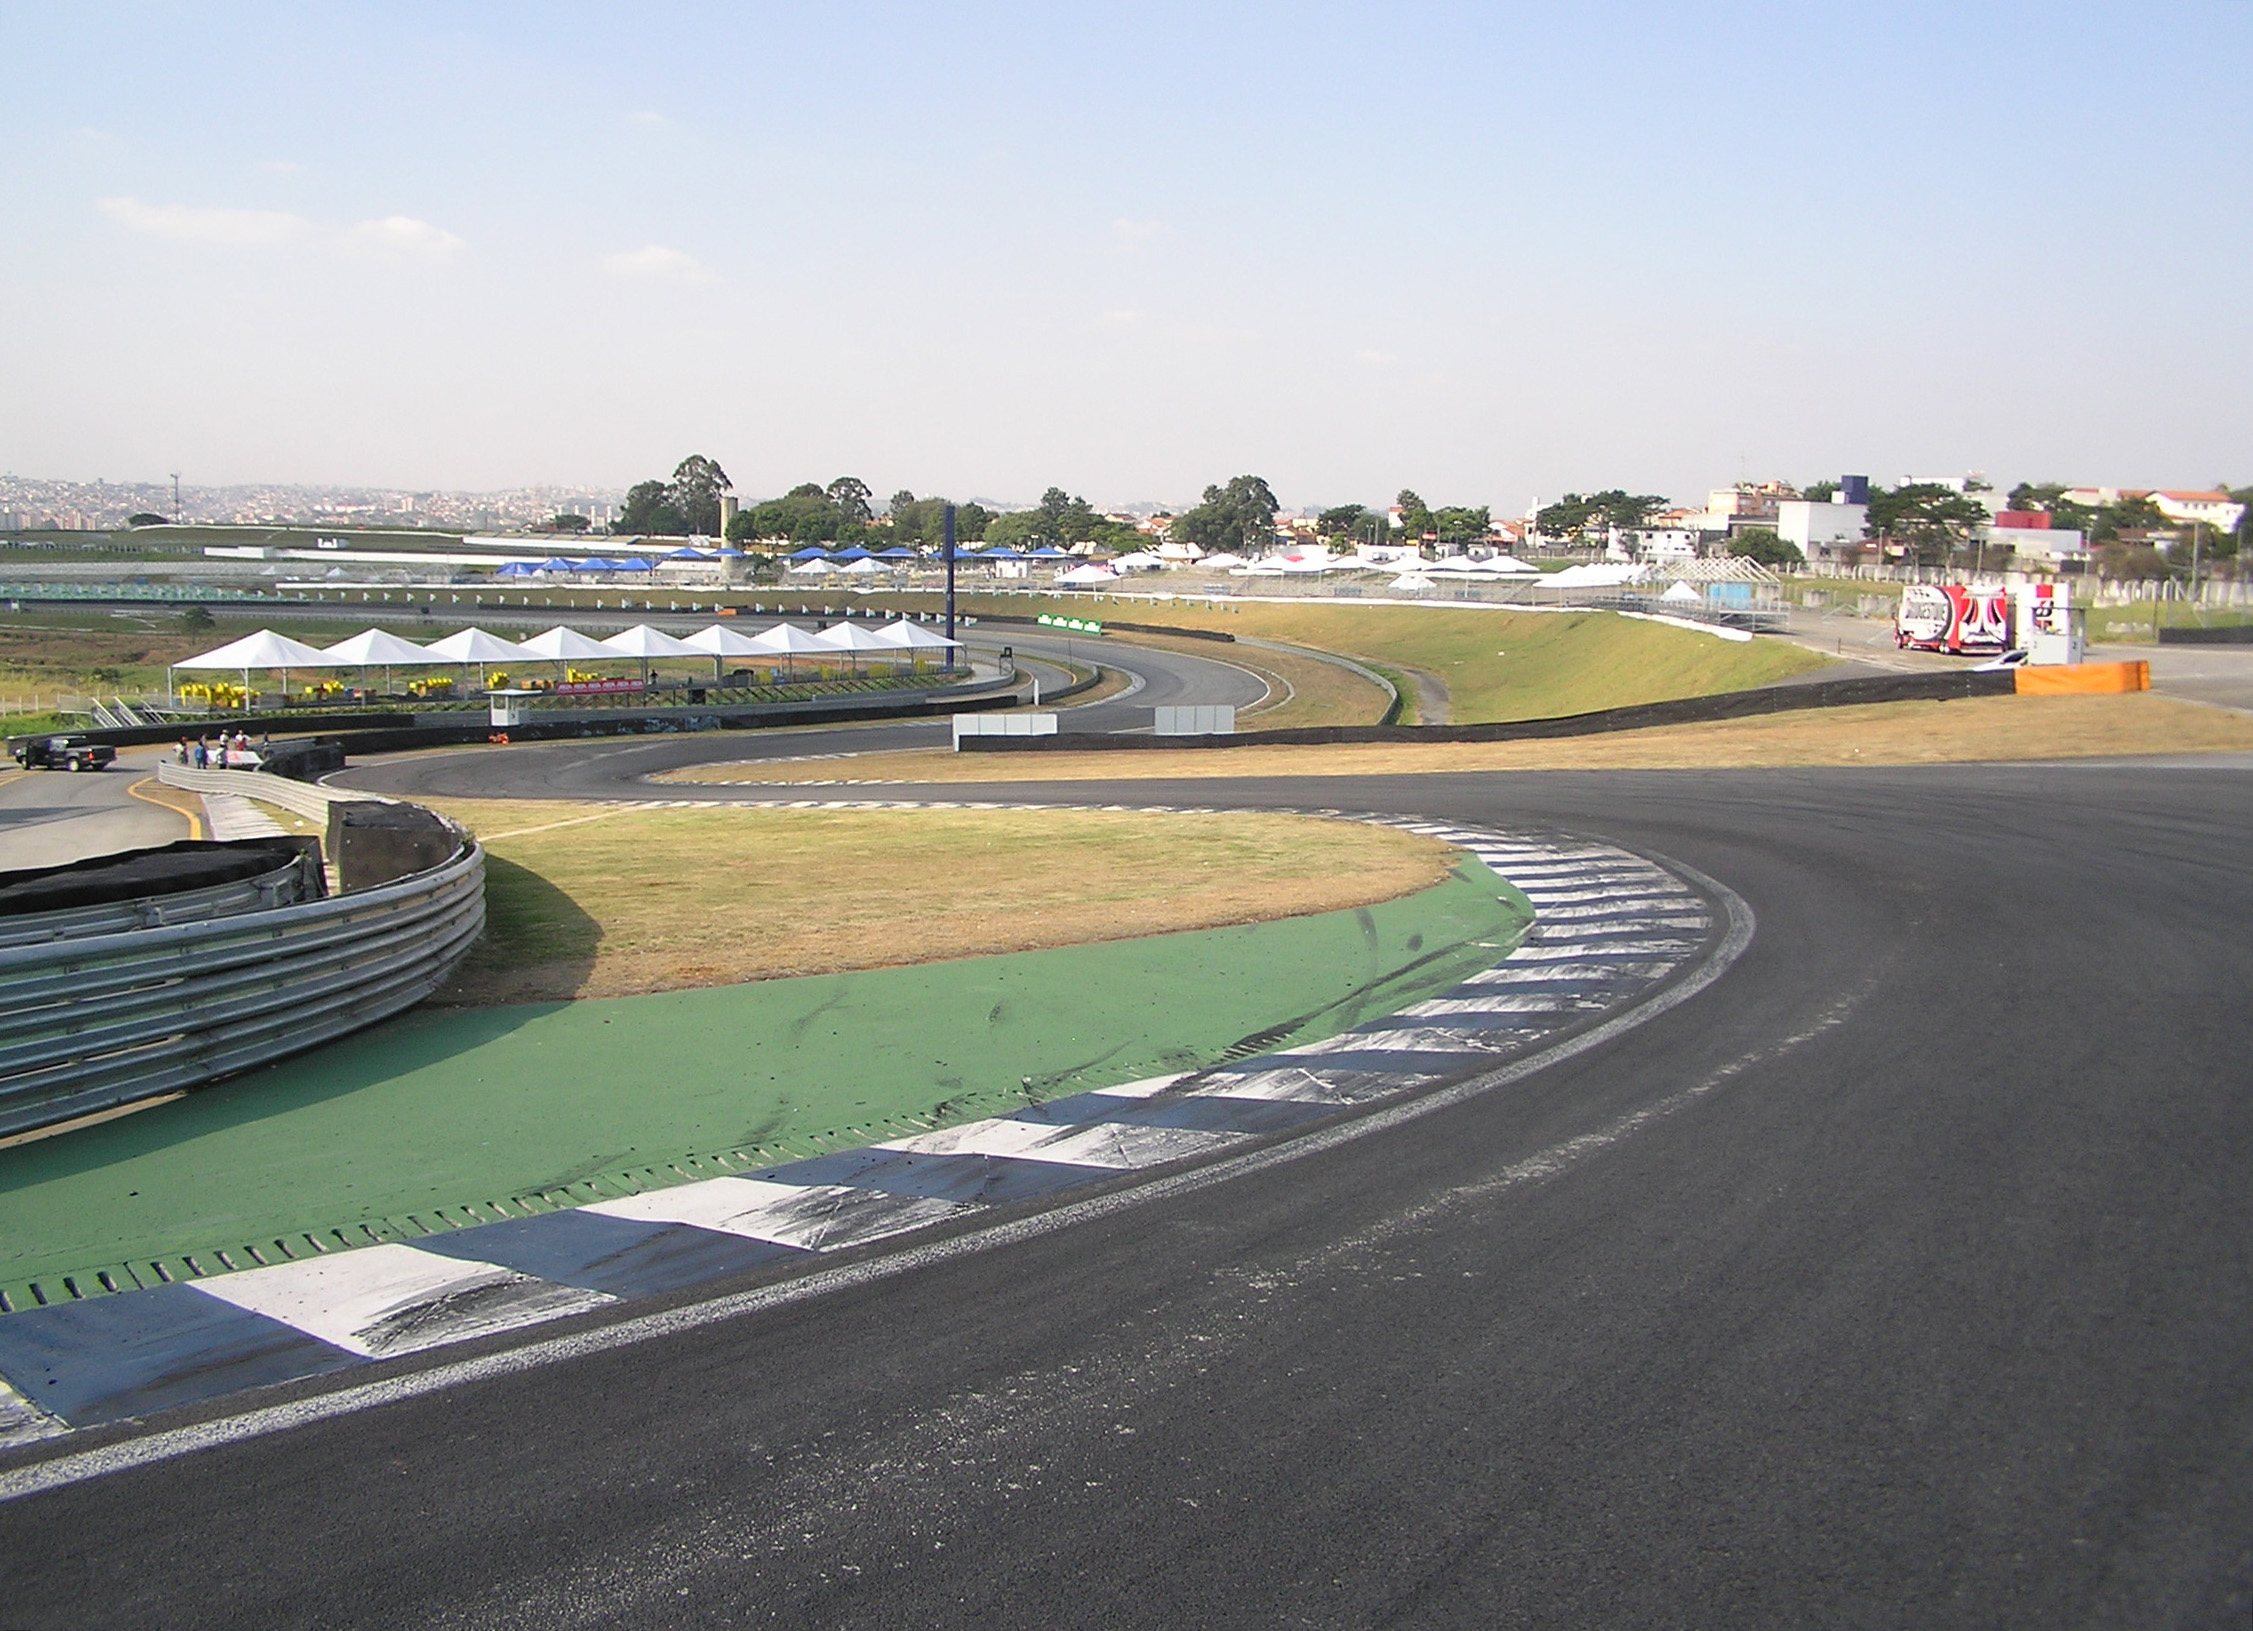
x=2037 y=619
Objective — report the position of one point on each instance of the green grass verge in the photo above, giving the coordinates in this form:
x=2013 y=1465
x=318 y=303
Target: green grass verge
x=414 y=1126
x=1496 y=665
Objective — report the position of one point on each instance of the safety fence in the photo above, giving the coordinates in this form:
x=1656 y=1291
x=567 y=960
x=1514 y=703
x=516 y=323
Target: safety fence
x=95 y=1021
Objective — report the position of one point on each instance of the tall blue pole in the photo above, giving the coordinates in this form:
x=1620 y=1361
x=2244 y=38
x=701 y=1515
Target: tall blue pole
x=950 y=582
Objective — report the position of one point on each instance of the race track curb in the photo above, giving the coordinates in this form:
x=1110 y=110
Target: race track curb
x=1611 y=930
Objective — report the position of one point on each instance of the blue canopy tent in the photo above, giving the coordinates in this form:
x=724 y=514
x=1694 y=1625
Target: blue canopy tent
x=1000 y=553
x=632 y=563
x=556 y=563
x=1049 y=552
x=595 y=563
x=856 y=553
x=727 y=554
x=686 y=555
x=898 y=552
x=812 y=552
x=514 y=569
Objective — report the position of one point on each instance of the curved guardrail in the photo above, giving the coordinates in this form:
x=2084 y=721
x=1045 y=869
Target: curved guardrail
x=285 y=884
x=98 y=1021
x=308 y=799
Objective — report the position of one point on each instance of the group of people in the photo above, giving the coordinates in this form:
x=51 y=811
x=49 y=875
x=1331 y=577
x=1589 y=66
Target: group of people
x=230 y=750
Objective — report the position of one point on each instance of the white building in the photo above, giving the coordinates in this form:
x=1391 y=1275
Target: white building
x=2216 y=509
x=1821 y=531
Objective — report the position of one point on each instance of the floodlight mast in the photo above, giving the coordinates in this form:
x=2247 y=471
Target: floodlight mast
x=949 y=548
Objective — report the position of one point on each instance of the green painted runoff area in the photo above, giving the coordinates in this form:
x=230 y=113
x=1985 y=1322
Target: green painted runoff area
x=422 y=1123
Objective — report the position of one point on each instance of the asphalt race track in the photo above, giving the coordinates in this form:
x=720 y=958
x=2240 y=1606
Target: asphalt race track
x=1900 y=1278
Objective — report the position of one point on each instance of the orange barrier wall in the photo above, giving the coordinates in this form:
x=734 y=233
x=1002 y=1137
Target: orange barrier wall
x=2082 y=678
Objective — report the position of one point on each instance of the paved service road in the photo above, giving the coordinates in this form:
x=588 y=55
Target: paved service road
x=50 y=817
x=1900 y=1278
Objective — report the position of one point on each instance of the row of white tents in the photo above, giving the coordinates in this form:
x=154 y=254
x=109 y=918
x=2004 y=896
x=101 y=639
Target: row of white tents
x=268 y=652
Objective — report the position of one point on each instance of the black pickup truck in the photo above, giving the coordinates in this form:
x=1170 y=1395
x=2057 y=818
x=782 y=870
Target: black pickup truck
x=64 y=753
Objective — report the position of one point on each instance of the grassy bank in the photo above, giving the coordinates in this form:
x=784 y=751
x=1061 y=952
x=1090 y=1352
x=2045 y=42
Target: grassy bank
x=1901 y=733
x=1494 y=665
x=593 y=901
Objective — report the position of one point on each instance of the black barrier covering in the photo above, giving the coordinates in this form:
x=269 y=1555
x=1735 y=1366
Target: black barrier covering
x=375 y=844
x=1684 y=711
x=146 y=874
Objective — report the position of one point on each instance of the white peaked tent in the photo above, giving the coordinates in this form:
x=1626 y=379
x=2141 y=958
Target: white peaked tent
x=912 y=638
x=648 y=644
x=786 y=640
x=867 y=566
x=371 y=647
x=723 y=642
x=560 y=644
x=474 y=645
x=852 y=639
x=1680 y=592
x=905 y=636
x=645 y=642
x=263 y=650
x=1089 y=574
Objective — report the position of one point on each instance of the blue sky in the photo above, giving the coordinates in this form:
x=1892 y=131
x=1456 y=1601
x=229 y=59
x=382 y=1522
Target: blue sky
x=1486 y=251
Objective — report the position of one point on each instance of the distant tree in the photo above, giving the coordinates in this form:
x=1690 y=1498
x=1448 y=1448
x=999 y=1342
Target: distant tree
x=971 y=521
x=148 y=518
x=1234 y=518
x=568 y=523
x=694 y=493
x=1415 y=515
x=1342 y=521
x=1764 y=545
x=1819 y=492
x=195 y=619
x=649 y=508
x=850 y=496
x=900 y=501
x=1462 y=526
x=1928 y=521
x=1565 y=518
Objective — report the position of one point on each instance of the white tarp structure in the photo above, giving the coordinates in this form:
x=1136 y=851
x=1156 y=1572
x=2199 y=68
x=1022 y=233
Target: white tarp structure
x=814 y=568
x=909 y=637
x=1412 y=580
x=373 y=646
x=560 y=644
x=1090 y=576
x=788 y=640
x=850 y=636
x=264 y=650
x=1680 y=592
x=645 y=642
x=474 y=645
x=1140 y=561
x=867 y=566
x=723 y=642
x=1223 y=562
x=1594 y=575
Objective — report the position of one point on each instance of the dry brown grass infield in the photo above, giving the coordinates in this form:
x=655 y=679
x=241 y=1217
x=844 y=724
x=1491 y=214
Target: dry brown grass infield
x=607 y=900
x=1973 y=730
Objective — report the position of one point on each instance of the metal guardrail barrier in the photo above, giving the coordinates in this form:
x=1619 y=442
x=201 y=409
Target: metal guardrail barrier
x=285 y=885
x=95 y=1022
x=308 y=799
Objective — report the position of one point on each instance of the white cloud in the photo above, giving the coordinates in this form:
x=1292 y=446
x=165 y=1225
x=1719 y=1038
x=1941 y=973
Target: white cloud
x=282 y=167
x=645 y=117
x=404 y=235
x=656 y=261
x=179 y=223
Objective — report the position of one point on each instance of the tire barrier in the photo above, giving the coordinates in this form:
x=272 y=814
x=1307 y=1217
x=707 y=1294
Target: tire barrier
x=97 y=1020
